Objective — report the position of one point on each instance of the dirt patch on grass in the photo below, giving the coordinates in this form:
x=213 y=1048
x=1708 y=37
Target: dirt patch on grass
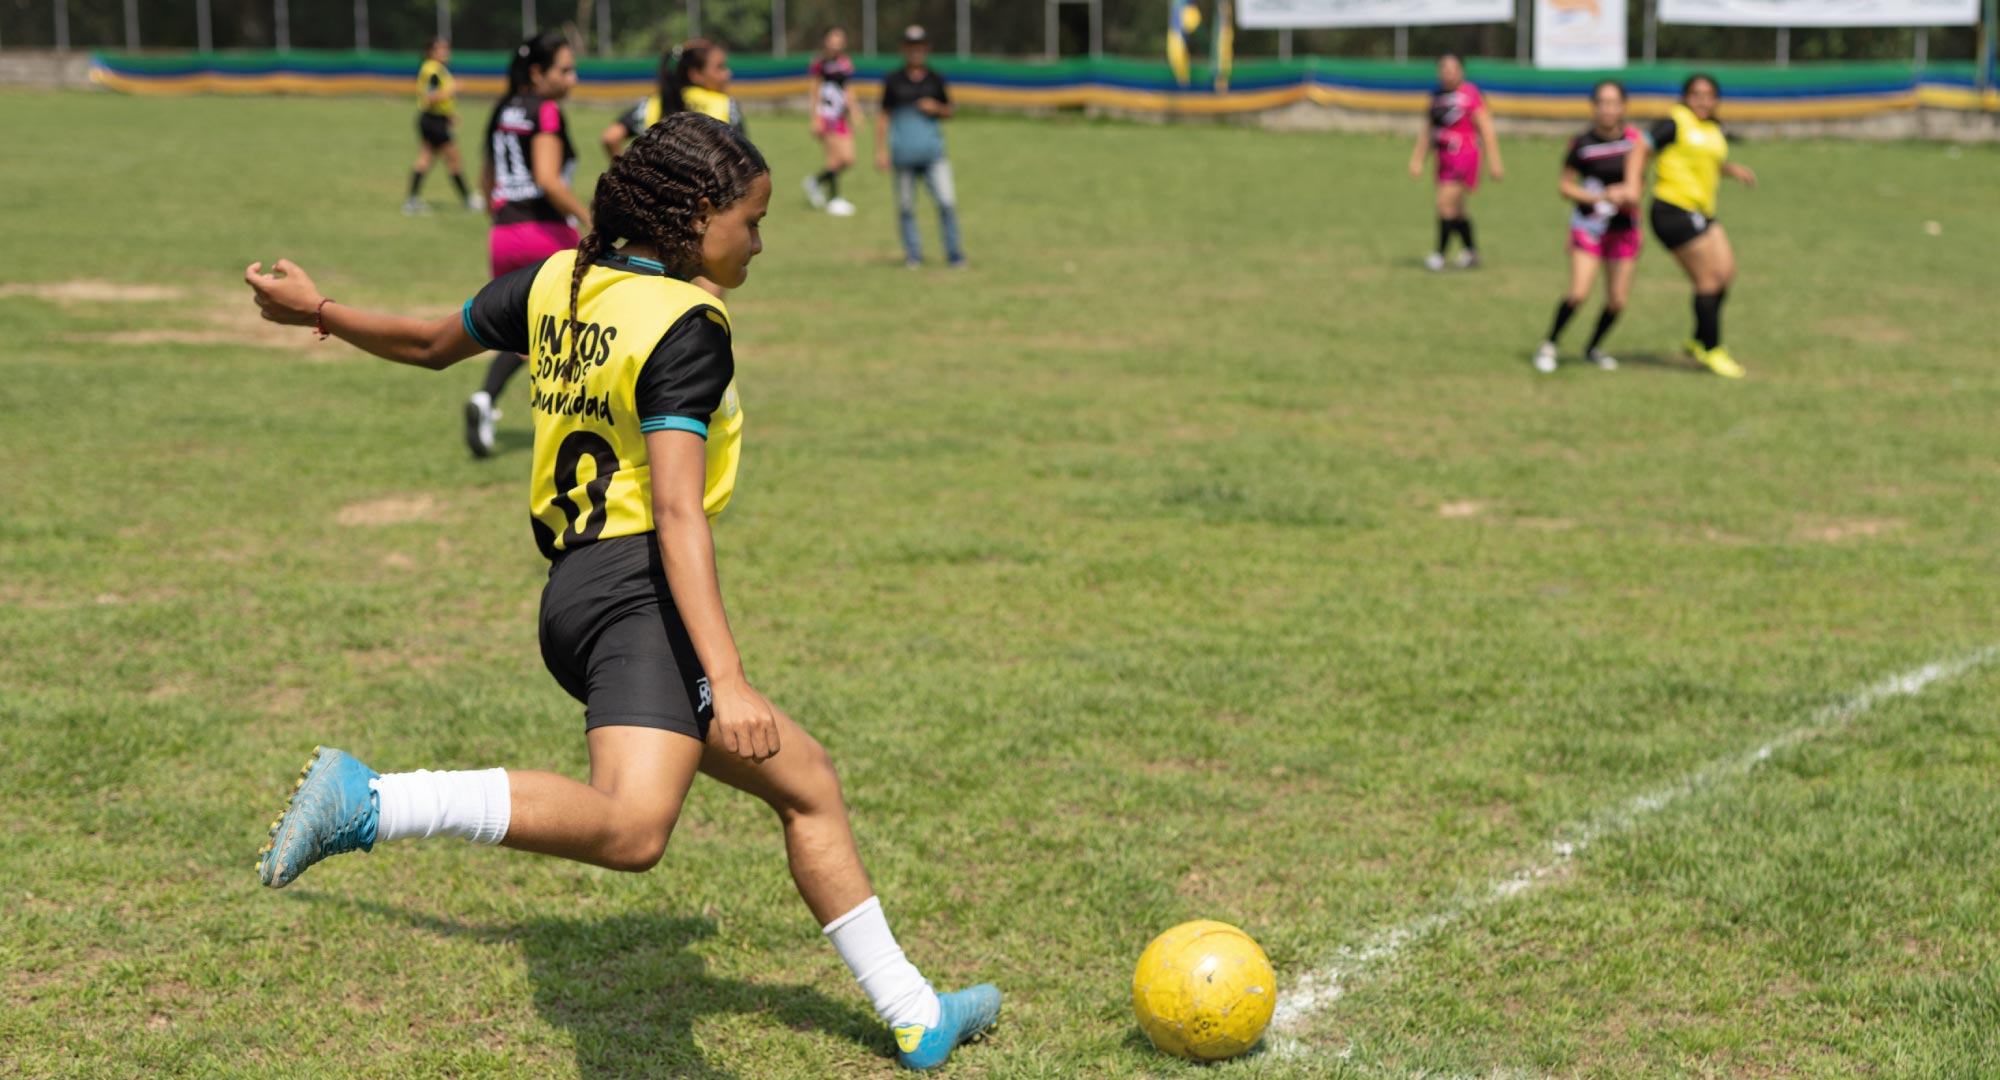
x=13 y=595
x=1868 y=330
x=392 y=510
x=1184 y=766
x=171 y=687
x=281 y=701
x=94 y=292
x=1841 y=530
x=219 y=320
x=1463 y=508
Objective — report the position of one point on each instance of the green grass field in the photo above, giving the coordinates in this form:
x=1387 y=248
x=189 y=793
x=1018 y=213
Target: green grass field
x=1193 y=555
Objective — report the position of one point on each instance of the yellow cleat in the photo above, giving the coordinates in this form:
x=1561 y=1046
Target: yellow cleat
x=1695 y=352
x=1720 y=362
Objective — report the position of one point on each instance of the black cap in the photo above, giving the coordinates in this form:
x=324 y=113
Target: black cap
x=914 y=35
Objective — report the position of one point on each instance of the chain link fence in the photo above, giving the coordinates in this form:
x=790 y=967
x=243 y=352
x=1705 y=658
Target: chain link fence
x=1016 y=28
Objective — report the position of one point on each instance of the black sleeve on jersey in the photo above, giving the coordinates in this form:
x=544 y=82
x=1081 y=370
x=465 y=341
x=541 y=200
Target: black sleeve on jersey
x=937 y=83
x=436 y=80
x=688 y=371
x=1570 y=159
x=1663 y=133
x=634 y=120
x=498 y=316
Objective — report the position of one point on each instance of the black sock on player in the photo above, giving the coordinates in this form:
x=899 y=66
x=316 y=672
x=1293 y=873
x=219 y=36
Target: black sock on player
x=1563 y=312
x=1708 y=319
x=1604 y=320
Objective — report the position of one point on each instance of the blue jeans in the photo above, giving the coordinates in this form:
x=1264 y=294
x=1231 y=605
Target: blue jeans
x=937 y=177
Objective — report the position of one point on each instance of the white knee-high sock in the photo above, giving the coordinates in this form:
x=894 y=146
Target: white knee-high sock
x=900 y=993
x=417 y=805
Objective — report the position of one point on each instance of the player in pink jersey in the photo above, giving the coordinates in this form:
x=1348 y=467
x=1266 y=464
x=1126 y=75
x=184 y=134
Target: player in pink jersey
x=1603 y=175
x=1459 y=123
x=832 y=116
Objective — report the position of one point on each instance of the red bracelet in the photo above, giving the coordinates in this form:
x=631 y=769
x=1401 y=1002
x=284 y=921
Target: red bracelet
x=319 y=320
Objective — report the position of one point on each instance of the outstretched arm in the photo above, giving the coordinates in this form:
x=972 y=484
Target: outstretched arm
x=288 y=296
x=1742 y=174
x=1422 y=151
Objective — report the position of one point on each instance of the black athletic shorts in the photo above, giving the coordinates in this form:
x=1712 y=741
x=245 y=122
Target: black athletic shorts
x=612 y=637
x=433 y=129
x=1675 y=226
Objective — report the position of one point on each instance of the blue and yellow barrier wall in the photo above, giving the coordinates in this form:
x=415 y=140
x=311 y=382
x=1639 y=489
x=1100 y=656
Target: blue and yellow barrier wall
x=1803 y=92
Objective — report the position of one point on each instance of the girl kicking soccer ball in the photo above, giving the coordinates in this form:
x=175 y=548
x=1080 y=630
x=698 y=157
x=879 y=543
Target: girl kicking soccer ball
x=637 y=436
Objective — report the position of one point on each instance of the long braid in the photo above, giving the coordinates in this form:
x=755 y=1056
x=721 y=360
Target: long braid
x=587 y=251
x=653 y=192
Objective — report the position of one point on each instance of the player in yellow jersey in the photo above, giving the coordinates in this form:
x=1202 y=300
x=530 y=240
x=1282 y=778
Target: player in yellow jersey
x=1692 y=153
x=696 y=67
x=437 y=114
x=638 y=431
x=694 y=77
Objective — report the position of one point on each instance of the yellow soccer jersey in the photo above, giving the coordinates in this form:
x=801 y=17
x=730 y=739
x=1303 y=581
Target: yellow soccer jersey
x=1690 y=153
x=433 y=76
x=709 y=103
x=647 y=352
x=644 y=114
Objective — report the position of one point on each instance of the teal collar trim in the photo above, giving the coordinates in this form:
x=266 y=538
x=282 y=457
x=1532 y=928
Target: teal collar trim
x=632 y=264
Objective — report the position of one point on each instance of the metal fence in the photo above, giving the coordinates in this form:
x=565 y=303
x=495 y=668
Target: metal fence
x=1021 y=28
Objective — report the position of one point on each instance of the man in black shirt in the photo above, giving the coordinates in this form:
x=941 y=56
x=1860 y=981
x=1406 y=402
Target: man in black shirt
x=908 y=135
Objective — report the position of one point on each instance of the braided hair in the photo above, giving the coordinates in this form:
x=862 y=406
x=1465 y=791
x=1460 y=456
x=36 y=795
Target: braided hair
x=653 y=192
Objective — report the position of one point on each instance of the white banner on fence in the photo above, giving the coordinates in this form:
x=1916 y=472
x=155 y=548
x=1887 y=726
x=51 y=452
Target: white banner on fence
x=1579 y=33
x=1311 y=14
x=1820 y=12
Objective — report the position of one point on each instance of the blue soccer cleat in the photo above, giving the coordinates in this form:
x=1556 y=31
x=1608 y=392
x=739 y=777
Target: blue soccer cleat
x=962 y=1017
x=332 y=811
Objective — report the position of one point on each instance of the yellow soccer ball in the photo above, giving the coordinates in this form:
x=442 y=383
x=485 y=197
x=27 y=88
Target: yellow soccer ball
x=1204 y=991
x=1190 y=19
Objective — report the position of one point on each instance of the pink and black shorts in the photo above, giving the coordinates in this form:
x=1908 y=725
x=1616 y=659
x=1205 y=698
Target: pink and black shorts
x=1611 y=244
x=1459 y=167
x=835 y=125
x=525 y=243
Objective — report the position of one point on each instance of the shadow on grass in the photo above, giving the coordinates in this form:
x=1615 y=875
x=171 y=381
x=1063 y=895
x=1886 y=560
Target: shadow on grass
x=510 y=440
x=629 y=992
x=1664 y=361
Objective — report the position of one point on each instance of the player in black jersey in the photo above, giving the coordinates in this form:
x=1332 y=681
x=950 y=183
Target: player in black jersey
x=529 y=163
x=1602 y=175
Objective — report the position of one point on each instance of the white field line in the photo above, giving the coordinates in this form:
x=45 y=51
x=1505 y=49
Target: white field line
x=1315 y=990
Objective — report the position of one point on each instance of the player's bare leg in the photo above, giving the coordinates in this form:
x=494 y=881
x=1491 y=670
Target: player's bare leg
x=622 y=819
x=800 y=784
